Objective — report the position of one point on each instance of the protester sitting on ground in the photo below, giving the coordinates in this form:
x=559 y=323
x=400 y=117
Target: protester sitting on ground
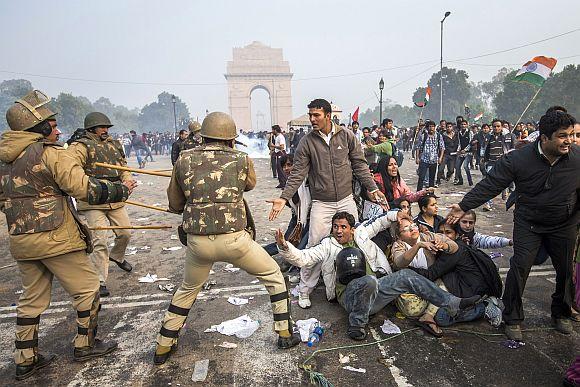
x=428 y=219
x=351 y=263
x=404 y=205
x=388 y=171
x=297 y=231
x=467 y=234
x=415 y=249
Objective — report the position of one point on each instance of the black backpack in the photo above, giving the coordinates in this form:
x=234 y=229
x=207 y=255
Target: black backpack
x=488 y=269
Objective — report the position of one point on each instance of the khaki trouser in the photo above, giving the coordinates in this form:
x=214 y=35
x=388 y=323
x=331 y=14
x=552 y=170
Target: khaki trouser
x=239 y=249
x=101 y=255
x=321 y=214
x=78 y=277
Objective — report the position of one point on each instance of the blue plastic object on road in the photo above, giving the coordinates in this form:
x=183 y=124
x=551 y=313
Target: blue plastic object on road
x=315 y=336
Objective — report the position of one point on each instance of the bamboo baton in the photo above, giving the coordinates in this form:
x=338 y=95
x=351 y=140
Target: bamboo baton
x=143 y=171
x=129 y=227
x=147 y=206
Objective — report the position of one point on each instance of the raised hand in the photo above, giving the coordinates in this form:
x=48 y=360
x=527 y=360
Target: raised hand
x=277 y=207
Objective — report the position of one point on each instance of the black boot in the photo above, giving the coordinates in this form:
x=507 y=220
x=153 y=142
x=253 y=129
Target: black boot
x=123 y=265
x=159 y=359
x=289 y=342
x=25 y=371
x=356 y=333
x=100 y=348
x=103 y=291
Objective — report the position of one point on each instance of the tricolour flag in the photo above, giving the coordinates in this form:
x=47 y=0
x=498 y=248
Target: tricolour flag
x=478 y=116
x=536 y=71
x=425 y=101
x=355 y=114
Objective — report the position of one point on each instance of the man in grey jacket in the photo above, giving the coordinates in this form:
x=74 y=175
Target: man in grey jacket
x=329 y=156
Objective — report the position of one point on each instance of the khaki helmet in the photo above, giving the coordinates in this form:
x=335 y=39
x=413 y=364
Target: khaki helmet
x=219 y=126
x=194 y=126
x=97 y=119
x=29 y=111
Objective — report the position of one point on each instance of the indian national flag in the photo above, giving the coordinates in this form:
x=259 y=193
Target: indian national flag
x=536 y=71
x=478 y=116
x=424 y=103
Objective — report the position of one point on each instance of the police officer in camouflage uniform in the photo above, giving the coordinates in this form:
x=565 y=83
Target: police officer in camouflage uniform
x=207 y=186
x=97 y=146
x=194 y=139
x=46 y=236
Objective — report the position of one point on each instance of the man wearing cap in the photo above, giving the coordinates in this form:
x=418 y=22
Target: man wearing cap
x=194 y=139
x=96 y=146
x=46 y=236
x=207 y=186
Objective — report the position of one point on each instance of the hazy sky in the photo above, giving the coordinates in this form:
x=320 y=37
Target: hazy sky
x=190 y=41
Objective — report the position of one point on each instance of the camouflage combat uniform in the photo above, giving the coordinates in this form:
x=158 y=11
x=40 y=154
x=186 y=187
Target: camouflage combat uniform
x=207 y=185
x=192 y=141
x=88 y=150
x=46 y=237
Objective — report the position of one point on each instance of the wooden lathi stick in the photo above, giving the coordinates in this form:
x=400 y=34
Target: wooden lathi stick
x=143 y=171
x=146 y=206
x=129 y=227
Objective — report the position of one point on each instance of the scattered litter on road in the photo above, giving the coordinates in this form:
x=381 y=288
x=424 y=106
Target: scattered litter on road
x=498 y=225
x=295 y=291
x=495 y=255
x=242 y=327
x=345 y=359
x=359 y=370
x=174 y=237
x=200 y=370
x=173 y=248
x=229 y=267
x=513 y=344
x=167 y=287
x=145 y=248
x=498 y=232
x=208 y=285
x=131 y=252
x=211 y=272
x=238 y=301
x=157 y=204
x=228 y=345
x=389 y=328
x=151 y=278
x=306 y=327
x=265 y=239
x=19 y=291
x=255 y=281
x=455 y=194
x=294 y=279
x=141 y=219
x=400 y=316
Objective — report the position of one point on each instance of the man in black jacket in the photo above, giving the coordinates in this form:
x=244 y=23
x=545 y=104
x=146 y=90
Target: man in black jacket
x=547 y=212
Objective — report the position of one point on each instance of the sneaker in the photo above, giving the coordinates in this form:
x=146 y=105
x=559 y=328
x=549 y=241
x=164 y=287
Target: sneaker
x=100 y=348
x=493 y=311
x=514 y=332
x=304 y=301
x=41 y=361
x=562 y=325
x=289 y=342
x=486 y=208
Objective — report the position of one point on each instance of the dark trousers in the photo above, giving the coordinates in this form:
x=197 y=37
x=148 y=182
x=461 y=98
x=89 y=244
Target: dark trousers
x=449 y=163
x=274 y=165
x=560 y=247
x=422 y=172
x=279 y=172
x=463 y=160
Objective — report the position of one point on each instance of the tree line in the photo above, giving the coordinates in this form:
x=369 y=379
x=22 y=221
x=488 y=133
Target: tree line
x=499 y=97
x=155 y=116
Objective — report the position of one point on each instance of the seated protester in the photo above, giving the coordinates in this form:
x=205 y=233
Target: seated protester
x=428 y=219
x=404 y=205
x=466 y=232
x=351 y=263
x=463 y=275
x=390 y=183
x=297 y=231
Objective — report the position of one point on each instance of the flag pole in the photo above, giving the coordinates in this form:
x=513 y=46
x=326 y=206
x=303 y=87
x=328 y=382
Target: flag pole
x=529 y=104
x=416 y=133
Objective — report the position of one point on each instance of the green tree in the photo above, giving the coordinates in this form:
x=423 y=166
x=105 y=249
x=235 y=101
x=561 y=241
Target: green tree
x=158 y=116
x=401 y=115
x=10 y=91
x=71 y=111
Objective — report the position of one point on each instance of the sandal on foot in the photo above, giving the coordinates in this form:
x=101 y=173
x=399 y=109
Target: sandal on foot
x=427 y=326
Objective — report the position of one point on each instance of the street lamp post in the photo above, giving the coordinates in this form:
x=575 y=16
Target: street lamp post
x=174 y=100
x=441 y=69
x=381 y=87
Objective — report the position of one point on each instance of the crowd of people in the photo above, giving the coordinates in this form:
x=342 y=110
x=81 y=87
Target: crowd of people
x=333 y=177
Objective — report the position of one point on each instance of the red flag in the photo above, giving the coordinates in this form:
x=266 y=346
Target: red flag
x=355 y=114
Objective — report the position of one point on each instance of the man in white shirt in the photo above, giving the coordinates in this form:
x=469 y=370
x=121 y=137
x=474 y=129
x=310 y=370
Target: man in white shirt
x=279 y=150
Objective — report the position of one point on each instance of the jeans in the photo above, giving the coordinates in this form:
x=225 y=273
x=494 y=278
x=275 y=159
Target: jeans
x=449 y=162
x=444 y=319
x=422 y=172
x=465 y=160
x=368 y=295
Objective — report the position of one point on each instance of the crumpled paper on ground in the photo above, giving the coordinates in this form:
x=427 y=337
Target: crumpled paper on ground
x=359 y=370
x=229 y=267
x=228 y=345
x=390 y=328
x=242 y=327
x=238 y=301
x=295 y=292
x=151 y=278
x=306 y=327
x=174 y=248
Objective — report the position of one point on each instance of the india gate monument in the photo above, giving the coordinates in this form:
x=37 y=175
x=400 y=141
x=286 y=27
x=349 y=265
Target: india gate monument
x=257 y=66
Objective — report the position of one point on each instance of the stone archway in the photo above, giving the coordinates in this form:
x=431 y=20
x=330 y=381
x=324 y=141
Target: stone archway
x=259 y=66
